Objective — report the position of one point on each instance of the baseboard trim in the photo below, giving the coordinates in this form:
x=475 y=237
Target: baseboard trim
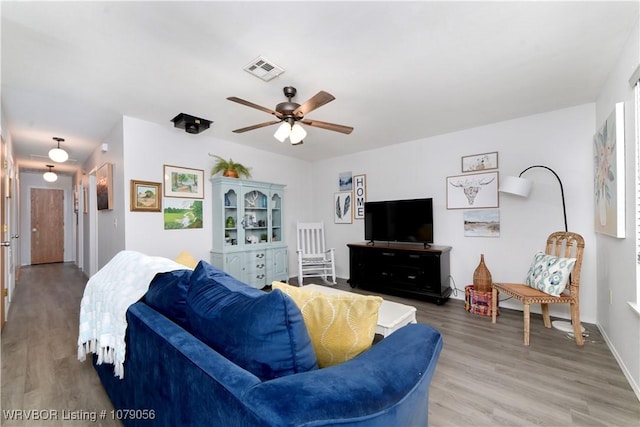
x=634 y=386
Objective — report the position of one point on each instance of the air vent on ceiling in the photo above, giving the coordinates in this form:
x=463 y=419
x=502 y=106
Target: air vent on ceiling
x=263 y=69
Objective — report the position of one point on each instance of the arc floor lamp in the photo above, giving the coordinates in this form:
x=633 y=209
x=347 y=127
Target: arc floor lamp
x=519 y=186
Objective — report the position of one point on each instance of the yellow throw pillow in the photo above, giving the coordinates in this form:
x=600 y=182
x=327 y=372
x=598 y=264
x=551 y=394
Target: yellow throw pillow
x=186 y=259
x=340 y=326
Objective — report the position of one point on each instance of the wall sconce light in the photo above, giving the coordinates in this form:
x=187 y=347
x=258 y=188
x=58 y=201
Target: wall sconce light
x=49 y=175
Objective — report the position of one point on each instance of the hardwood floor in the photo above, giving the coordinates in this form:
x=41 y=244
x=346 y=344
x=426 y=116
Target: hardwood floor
x=40 y=368
x=485 y=376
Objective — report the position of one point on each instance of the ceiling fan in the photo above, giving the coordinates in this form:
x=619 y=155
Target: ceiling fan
x=289 y=113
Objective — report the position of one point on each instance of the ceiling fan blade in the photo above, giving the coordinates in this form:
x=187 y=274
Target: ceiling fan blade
x=259 y=125
x=329 y=126
x=252 y=105
x=316 y=101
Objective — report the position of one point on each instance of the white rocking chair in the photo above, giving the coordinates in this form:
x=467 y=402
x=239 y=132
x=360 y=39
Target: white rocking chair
x=313 y=259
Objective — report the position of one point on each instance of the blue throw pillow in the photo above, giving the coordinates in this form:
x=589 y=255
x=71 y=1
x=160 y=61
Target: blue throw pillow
x=167 y=294
x=261 y=332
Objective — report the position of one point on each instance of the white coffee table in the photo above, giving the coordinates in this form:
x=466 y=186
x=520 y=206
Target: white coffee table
x=391 y=316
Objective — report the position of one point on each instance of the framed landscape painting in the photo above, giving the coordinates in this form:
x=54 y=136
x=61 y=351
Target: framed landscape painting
x=145 y=196
x=180 y=214
x=183 y=182
x=482 y=223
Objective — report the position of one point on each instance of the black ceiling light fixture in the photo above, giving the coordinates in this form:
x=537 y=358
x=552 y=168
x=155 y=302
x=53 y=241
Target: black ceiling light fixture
x=191 y=124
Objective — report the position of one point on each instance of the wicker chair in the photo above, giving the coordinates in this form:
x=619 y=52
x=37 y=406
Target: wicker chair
x=561 y=244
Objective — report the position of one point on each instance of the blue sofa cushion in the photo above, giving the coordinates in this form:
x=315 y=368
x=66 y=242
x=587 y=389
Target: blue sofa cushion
x=261 y=332
x=167 y=294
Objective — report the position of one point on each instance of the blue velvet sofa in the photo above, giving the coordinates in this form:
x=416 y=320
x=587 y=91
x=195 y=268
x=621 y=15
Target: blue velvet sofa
x=177 y=374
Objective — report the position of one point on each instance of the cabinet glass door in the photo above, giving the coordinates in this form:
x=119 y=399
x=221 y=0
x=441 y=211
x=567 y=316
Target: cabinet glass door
x=276 y=217
x=231 y=218
x=255 y=221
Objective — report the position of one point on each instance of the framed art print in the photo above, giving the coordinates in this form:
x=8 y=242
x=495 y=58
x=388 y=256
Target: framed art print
x=183 y=182
x=480 y=162
x=180 y=214
x=342 y=207
x=609 y=185
x=345 y=181
x=146 y=196
x=482 y=223
x=472 y=191
x=104 y=186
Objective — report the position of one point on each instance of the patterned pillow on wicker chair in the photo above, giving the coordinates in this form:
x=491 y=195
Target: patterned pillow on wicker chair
x=549 y=274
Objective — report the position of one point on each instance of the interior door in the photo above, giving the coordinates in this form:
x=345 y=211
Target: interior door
x=47 y=226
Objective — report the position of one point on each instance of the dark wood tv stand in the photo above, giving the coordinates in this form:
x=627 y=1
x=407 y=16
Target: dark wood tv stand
x=411 y=270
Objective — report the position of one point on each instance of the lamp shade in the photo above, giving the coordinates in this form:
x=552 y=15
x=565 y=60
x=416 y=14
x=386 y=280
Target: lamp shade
x=283 y=132
x=58 y=155
x=297 y=134
x=516 y=186
x=50 y=176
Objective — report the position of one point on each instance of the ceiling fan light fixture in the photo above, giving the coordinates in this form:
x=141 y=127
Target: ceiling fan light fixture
x=50 y=176
x=283 y=131
x=297 y=134
x=57 y=154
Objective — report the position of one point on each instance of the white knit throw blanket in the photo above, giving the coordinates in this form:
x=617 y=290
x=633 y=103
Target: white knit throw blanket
x=107 y=296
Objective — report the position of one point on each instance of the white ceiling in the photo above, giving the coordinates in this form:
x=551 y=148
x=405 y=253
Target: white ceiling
x=400 y=71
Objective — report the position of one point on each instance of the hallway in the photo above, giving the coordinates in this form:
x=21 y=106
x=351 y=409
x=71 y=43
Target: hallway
x=41 y=375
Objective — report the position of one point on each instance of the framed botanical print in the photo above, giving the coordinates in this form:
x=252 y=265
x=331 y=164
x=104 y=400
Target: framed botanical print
x=609 y=185
x=342 y=207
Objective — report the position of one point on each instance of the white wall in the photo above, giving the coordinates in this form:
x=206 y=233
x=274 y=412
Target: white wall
x=148 y=147
x=559 y=139
x=29 y=180
x=108 y=225
x=616 y=258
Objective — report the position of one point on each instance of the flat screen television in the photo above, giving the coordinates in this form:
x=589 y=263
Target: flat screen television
x=409 y=221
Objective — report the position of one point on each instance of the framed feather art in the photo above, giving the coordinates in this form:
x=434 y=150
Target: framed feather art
x=343 y=207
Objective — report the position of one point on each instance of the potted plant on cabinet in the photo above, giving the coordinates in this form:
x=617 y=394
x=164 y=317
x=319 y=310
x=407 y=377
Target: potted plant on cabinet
x=229 y=168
